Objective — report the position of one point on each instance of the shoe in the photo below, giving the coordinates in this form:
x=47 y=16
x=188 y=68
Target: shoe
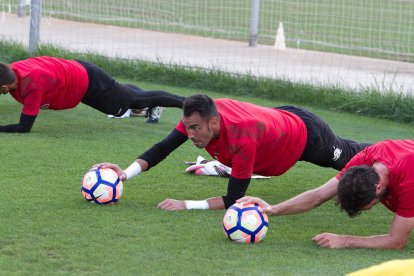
x=127 y=114
x=154 y=115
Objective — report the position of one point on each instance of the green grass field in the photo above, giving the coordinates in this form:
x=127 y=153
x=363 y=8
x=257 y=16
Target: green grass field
x=48 y=228
x=373 y=28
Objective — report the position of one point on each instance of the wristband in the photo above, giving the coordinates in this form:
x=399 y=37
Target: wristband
x=133 y=170
x=196 y=204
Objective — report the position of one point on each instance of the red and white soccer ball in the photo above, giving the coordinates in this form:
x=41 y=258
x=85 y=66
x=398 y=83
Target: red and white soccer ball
x=245 y=223
x=102 y=186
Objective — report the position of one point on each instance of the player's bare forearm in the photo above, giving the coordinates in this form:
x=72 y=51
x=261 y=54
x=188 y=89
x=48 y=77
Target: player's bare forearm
x=307 y=200
x=400 y=231
x=169 y=204
x=330 y=240
x=215 y=203
x=381 y=241
x=143 y=164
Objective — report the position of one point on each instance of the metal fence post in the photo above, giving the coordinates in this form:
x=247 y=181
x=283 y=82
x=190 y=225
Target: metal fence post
x=35 y=12
x=20 y=8
x=254 y=23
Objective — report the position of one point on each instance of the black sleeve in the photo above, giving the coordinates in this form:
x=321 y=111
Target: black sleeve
x=161 y=150
x=236 y=189
x=25 y=125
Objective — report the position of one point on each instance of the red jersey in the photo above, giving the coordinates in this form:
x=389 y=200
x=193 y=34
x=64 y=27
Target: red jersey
x=255 y=139
x=49 y=83
x=398 y=157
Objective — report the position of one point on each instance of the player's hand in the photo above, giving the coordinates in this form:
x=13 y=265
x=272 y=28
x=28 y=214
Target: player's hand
x=114 y=167
x=172 y=205
x=329 y=240
x=264 y=207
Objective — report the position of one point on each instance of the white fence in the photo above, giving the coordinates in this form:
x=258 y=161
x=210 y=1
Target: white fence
x=354 y=44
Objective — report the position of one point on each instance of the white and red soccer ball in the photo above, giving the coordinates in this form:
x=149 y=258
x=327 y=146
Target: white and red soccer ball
x=102 y=186
x=245 y=223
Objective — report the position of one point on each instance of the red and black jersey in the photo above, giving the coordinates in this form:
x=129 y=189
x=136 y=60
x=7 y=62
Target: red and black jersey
x=398 y=157
x=255 y=139
x=49 y=83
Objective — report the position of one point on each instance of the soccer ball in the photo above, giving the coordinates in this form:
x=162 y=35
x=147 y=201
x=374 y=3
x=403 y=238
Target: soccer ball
x=102 y=186
x=245 y=223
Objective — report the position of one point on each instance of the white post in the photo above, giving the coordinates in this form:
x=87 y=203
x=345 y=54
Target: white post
x=20 y=8
x=254 y=23
x=35 y=12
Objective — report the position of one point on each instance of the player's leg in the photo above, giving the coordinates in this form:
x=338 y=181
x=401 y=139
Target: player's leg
x=113 y=98
x=154 y=100
x=100 y=95
x=323 y=147
x=140 y=99
x=344 y=150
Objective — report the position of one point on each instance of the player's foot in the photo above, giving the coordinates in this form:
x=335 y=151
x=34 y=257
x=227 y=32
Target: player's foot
x=154 y=115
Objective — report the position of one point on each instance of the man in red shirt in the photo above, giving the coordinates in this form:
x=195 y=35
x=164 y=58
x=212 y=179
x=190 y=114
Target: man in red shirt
x=382 y=173
x=54 y=83
x=248 y=138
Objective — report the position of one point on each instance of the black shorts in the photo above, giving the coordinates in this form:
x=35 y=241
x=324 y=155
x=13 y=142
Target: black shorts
x=104 y=93
x=323 y=147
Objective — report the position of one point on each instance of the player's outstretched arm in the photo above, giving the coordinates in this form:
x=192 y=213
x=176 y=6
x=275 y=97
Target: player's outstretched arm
x=214 y=203
x=150 y=158
x=236 y=189
x=397 y=238
x=300 y=203
x=307 y=200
